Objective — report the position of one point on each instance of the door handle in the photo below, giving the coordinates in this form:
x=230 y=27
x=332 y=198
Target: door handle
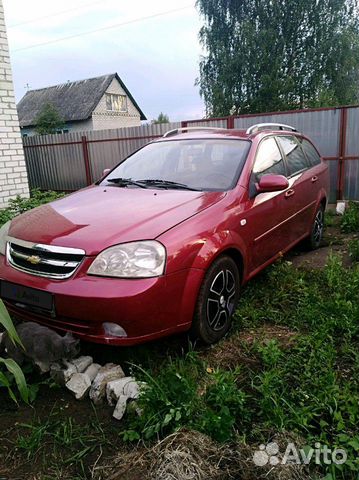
x=314 y=179
x=289 y=193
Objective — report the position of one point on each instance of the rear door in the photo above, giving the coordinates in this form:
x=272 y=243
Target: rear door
x=303 y=196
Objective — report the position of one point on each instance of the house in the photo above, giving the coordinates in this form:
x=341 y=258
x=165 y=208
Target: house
x=92 y=104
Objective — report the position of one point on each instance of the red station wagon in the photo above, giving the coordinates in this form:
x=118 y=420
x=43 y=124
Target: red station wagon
x=165 y=240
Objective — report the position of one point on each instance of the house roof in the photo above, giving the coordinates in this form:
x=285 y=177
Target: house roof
x=74 y=100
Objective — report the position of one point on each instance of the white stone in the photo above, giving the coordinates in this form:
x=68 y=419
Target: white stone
x=92 y=371
x=116 y=388
x=120 y=408
x=340 y=209
x=106 y=374
x=81 y=363
x=79 y=384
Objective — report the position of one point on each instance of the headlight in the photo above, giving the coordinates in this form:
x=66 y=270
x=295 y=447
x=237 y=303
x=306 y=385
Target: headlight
x=4 y=230
x=131 y=260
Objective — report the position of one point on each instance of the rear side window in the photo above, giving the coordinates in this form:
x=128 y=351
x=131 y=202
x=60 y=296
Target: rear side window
x=268 y=159
x=311 y=153
x=296 y=160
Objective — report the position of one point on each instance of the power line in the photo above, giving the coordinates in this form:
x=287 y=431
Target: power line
x=117 y=25
x=34 y=20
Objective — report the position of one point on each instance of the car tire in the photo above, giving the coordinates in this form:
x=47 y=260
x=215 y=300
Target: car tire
x=217 y=301
x=316 y=233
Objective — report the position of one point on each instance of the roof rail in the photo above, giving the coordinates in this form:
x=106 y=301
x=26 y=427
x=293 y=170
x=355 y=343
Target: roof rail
x=181 y=129
x=272 y=126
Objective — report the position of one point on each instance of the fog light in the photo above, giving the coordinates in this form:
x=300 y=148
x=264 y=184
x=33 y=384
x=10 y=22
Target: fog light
x=114 y=330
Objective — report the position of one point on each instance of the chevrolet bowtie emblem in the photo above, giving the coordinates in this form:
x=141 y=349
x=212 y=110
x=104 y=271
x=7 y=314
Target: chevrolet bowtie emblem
x=34 y=259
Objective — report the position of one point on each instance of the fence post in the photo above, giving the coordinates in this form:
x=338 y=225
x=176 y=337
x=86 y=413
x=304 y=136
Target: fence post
x=342 y=152
x=230 y=122
x=86 y=156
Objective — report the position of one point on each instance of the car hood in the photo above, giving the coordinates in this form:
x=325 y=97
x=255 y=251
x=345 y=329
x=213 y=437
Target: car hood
x=98 y=217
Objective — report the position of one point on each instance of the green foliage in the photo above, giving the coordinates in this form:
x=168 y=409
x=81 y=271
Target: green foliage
x=48 y=120
x=309 y=387
x=354 y=249
x=162 y=118
x=350 y=219
x=13 y=371
x=71 y=442
x=173 y=399
x=20 y=205
x=278 y=55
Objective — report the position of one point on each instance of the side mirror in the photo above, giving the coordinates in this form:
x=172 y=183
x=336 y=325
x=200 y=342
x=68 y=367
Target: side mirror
x=272 y=183
x=105 y=172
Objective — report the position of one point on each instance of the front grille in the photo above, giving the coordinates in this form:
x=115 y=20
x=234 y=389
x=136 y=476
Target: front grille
x=43 y=260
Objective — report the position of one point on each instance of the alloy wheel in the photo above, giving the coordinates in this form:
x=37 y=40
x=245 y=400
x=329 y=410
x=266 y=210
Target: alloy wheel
x=220 y=302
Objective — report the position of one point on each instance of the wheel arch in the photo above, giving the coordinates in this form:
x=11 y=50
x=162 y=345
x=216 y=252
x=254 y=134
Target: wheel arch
x=235 y=254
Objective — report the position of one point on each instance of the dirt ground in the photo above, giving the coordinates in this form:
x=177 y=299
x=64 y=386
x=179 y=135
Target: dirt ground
x=58 y=405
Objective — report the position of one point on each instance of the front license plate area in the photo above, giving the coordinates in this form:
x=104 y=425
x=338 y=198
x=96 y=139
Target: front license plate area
x=27 y=296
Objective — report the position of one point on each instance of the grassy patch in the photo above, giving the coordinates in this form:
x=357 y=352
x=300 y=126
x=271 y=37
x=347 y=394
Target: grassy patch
x=309 y=387
x=350 y=219
x=62 y=446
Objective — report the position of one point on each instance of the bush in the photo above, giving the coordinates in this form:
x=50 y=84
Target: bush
x=20 y=205
x=350 y=219
x=186 y=393
x=354 y=250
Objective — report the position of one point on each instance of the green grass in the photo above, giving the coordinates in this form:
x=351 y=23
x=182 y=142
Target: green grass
x=62 y=444
x=350 y=219
x=310 y=388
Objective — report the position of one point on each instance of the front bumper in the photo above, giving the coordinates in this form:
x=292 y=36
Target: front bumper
x=145 y=308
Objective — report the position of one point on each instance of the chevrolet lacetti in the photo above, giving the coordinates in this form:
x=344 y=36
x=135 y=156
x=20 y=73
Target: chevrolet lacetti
x=165 y=240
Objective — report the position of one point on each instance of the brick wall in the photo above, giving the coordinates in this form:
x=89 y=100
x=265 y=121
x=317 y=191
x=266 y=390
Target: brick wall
x=103 y=119
x=13 y=176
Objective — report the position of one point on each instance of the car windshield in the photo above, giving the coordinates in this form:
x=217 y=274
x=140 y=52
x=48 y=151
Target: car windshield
x=200 y=164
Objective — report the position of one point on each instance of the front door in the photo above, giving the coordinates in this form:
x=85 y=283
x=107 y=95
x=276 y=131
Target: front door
x=267 y=213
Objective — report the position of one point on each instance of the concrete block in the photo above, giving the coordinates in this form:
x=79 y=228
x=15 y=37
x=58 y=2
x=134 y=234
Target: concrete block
x=115 y=389
x=120 y=408
x=79 y=384
x=82 y=363
x=106 y=374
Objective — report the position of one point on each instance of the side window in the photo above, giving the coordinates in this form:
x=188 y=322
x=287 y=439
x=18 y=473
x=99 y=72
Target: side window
x=296 y=159
x=312 y=154
x=268 y=159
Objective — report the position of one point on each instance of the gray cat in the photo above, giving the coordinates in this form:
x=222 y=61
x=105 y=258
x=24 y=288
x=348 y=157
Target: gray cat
x=42 y=346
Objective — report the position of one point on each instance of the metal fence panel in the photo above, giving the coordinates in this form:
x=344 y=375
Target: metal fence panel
x=322 y=126
x=55 y=167
x=72 y=160
x=220 y=123
x=351 y=167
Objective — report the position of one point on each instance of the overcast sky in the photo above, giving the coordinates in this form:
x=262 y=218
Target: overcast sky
x=157 y=58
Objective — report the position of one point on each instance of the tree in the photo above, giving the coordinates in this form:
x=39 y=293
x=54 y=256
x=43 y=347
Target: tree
x=162 y=118
x=48 y=120
x=267 y=55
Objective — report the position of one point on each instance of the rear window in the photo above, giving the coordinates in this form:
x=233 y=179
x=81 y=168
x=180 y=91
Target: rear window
x=296 y=160
x=311 y=153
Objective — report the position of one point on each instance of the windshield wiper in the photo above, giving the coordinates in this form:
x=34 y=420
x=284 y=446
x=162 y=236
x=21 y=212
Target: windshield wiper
x=167 y=184
x=124 y=182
